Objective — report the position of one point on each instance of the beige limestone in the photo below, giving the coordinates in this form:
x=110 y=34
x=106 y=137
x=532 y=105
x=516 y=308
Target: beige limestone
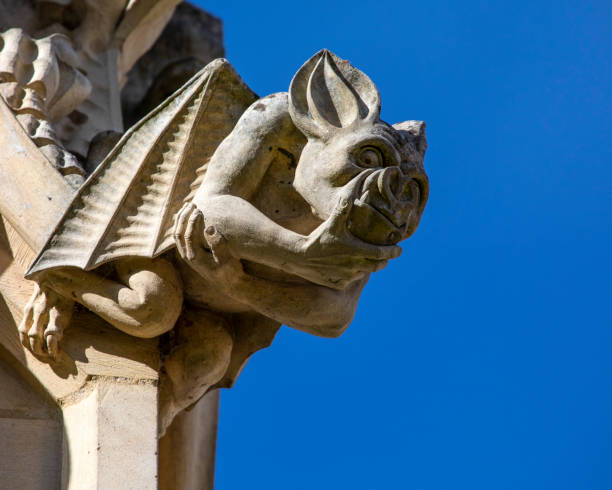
x=201 y=229
x=30 y=430
x=111 y=434
x=186 y=460
x=345 y=169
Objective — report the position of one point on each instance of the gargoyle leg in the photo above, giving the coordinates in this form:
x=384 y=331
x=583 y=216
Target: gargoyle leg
x=146 y=303
x=314 y=309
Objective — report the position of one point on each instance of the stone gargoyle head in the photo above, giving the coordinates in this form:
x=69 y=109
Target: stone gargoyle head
x=337 y=107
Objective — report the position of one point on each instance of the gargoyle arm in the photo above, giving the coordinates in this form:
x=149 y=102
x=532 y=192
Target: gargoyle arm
x=315 y=309
x=145 y=302
x=234 y=174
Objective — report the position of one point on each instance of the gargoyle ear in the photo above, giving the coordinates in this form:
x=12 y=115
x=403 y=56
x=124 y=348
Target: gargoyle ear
x=414 y=140
x=327 y=94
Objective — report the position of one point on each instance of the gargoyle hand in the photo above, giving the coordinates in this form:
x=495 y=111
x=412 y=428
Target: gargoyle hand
x=45 y=317
x=336 y=255
x=204 y=248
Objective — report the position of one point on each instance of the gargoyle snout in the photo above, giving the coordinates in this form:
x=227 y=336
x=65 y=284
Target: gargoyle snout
x=385 y=212
x=392 y=194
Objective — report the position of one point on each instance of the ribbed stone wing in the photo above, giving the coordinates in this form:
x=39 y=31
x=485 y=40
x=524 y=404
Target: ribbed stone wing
x=127 y=206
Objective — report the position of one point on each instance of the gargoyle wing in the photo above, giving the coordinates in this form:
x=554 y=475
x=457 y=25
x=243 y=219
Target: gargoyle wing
x=128 y=204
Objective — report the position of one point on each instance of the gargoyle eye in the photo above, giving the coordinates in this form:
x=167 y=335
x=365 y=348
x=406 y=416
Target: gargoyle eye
x=370 y=157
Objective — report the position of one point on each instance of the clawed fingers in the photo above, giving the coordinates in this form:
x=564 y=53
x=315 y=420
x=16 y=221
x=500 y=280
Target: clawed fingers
x=358 y=248
x=339 y=217
x=348 y=194
x=351 y=265
x=45 y=318
x=385 y=252
x=26 y=321
x=39 y=320
x=358 y=251
x=180 y=227
x=53 y=332
x=193 y=237
x=370 y=265
x=194 y=234
x=52 y=342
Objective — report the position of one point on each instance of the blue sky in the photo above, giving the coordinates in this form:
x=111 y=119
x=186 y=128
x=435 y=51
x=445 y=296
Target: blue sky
x=481 y=358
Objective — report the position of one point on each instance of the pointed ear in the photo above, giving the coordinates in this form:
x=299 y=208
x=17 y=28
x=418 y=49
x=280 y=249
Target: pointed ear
x=414 y=140
x=327 y=94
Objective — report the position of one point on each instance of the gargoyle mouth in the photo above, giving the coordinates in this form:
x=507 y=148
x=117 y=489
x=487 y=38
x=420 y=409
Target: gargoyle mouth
x=392 y=194
x=384 y=212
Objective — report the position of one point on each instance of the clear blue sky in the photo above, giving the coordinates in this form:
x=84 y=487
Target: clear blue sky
x=482 y=358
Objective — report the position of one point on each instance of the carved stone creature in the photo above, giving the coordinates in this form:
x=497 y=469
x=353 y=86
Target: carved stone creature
x=273 y=211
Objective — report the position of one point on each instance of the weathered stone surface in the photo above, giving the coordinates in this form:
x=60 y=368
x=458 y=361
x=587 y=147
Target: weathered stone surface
x=209 y=223
x=31 y=432
x=111 y=436
x=249 y=210
x=186 y=459
x=191 y=39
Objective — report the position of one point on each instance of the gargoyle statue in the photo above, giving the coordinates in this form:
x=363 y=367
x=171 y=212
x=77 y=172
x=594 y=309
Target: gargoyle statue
x=278 y=208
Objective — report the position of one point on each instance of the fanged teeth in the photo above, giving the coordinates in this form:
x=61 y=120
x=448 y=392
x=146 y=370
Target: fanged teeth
x=364 y=197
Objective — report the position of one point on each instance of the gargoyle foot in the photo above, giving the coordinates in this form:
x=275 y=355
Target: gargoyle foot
x=45 y=317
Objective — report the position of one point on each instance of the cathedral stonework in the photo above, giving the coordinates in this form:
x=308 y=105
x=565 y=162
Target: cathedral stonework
x=140 y=268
